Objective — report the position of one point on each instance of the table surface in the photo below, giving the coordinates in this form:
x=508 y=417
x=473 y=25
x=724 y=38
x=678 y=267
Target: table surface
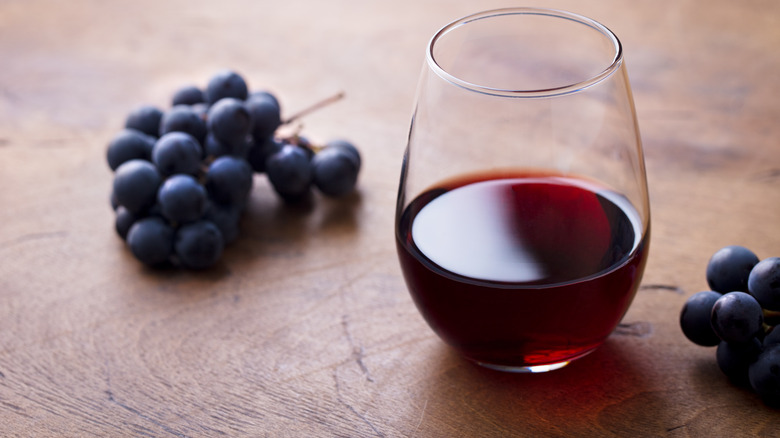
x=305 y=327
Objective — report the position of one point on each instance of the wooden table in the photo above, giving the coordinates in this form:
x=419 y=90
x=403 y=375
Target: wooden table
x=305 y=327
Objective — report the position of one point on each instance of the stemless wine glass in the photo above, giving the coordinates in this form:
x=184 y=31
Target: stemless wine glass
x=523 y=219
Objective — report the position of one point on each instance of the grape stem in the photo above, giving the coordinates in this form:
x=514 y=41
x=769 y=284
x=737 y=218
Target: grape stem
x=771 y=318
x=310 y=109
x=771 y=313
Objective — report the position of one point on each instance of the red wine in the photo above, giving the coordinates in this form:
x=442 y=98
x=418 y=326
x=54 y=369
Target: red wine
x=521 y=270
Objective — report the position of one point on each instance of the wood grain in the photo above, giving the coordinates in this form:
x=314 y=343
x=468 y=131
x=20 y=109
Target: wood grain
x=305 y=327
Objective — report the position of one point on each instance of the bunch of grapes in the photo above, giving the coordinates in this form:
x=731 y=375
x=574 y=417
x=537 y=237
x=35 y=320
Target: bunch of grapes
x=740 y=315
x=182 y=177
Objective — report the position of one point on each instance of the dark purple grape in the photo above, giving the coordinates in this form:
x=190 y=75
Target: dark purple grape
x=127 y=145
x=229 y=122
x=123 y=221
x=695 y=318
x=214 y=148
x=188 y=95
x=201 y=110
x=260 y=151
x=226 y=218
x=177 y=152
x=735 y=359
x=289 y=172
x=265 y=117
x=335 y=171
x=226 y=83
x=229 y=180
x=737 y=317
x=198 y=244
x=146 y=119
x=263 y=94
x=764 y=283
x=347 y=147
x=764 y=375
x=135 y=185
x=182 y=199
x=772 y=338
x=729 y=268
x=151 y=240
x=182 y=118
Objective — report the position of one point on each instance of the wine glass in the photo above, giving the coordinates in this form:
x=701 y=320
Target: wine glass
x=523 y=220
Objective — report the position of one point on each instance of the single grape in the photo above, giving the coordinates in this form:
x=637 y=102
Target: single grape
x=226 y=83
x=182 y=199
x=229 y=180
x=177 y=152
x=151 y=240
x=263 y=94
x=289 y=172
x=123 y=221
x=198 y=244
x=226 y=218
x=735 y=359
x=214 y=148
x=772 y=338
x=729 y=268
x=129 y=144
x=764 y=375
x=261 y=150
x=135 y=185
x=737 y=317
x=188 y=95
x=764 y=283
x=201 y=110
x=230 y=122
x=347 y=147
x=695 y=318
x=182 y=118
x=265 y=117
x=146 y=119
x=335 y=171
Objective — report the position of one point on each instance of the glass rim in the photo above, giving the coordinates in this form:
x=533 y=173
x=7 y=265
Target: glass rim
x=526 y=93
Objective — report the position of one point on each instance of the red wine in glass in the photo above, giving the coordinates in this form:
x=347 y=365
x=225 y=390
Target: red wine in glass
x=521 y=270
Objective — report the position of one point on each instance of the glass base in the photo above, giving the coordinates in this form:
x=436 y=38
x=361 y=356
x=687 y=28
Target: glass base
x=532 y=368
x=524 y=369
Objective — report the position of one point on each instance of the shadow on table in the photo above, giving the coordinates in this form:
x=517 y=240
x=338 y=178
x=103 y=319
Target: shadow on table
x=601 y=394
x=269 y=222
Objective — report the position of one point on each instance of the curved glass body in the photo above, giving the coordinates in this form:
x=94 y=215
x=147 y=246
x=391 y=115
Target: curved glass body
x=522 y=219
